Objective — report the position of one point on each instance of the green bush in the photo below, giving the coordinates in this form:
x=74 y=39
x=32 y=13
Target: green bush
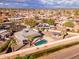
x=49 y=21
x=18 y=57
x=69 y=24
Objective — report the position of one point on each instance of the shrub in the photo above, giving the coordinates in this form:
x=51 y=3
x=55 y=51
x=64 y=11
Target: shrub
x=69 y=24
x=18 y=57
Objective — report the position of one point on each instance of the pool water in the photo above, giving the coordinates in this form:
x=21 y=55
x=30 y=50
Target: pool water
x=41 y=42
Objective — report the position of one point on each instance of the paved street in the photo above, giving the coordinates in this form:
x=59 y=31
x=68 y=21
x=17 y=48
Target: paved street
x=68 y=53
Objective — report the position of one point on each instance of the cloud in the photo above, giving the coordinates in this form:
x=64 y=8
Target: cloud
x=40 y=3
x=47 y=1
x=1 y=3
x=4 y=3
x=12 y=5
x=22 y=0
x=50 y=2
x=60 y=3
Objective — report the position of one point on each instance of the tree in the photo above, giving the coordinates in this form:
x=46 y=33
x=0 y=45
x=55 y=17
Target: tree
x=49 y=21
x=30 y=38
x=11 y=44
x=36 y=17
x=30 y=22
x=12 y=26
x=1 y=21
x=69 y=24
x=76 y=12
x=44 y=21
x=4 y=47
x=7 y=45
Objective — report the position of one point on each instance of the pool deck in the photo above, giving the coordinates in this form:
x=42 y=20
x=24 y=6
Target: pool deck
x=51 y=38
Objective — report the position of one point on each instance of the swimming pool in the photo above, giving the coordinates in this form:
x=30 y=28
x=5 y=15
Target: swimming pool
x=41 y=42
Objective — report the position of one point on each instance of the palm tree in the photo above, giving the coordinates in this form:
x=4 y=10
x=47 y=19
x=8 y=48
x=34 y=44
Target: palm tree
x=30 y=38
x=8 y=45
x=1 y=21
x=64 y=32
x=11 y=45
x=4 y=47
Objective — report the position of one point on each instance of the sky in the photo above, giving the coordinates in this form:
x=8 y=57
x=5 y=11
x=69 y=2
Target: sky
x=39 y=3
